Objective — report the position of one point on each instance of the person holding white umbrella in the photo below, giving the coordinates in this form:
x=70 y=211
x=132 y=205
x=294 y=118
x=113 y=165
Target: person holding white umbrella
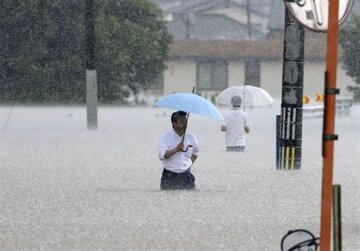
x=236 y=126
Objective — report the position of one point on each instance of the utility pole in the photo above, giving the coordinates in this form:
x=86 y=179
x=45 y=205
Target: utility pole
x=325 y=16
x=290 y=138
x=248 y=13
x=91 y=79
x=329 y=125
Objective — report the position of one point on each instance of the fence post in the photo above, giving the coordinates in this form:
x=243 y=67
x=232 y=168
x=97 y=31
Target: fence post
x=277 y=142
x=337 y=217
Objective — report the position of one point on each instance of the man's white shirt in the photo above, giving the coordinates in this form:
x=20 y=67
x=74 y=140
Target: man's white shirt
x=180 y=161
x=235 y=121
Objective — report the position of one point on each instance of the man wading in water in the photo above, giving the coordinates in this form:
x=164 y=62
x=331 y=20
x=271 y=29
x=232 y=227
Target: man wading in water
x=178 y=151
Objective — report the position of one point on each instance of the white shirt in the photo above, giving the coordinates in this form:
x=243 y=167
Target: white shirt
x=180 y=161
x=235 y=121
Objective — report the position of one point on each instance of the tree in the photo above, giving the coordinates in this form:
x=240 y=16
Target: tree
x=42 y=49
x=133 y=45
x=42 y=53
x=350 y=43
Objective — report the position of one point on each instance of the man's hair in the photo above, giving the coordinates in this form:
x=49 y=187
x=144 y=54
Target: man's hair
x=176 y=115
x=236 y=101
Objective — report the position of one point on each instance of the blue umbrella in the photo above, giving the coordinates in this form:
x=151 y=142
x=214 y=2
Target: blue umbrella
x=190 y=103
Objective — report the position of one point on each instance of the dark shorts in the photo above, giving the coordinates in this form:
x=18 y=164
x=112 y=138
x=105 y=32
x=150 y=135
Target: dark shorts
x=235 y=148
x=176 y=181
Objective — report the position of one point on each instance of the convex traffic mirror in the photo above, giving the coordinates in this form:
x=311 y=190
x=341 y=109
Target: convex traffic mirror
x=314 y=14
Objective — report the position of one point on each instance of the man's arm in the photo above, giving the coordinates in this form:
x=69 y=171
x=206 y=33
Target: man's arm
x=195 y=152
x=246 y=123
x=171 y=152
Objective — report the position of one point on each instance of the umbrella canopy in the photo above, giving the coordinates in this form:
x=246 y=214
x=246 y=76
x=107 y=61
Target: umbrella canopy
x=250 y=95
x=191 y=103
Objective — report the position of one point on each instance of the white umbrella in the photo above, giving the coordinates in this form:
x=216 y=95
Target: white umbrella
x=251 y=96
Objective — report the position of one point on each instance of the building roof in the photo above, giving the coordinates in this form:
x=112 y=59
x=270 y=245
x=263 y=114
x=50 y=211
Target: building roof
x=271 y=49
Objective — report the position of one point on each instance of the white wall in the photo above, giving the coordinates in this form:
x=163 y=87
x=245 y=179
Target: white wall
x=179 y=77
x=271 y=78
x=236 y=73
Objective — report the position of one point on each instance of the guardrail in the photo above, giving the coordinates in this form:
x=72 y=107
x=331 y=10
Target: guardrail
x=343 y=108
x=312 y=111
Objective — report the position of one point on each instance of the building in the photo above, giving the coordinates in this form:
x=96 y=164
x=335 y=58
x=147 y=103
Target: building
x=221 y=43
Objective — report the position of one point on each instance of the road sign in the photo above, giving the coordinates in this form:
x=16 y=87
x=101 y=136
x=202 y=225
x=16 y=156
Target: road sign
x=319 y=97
x=314 y=14
x=306 y=100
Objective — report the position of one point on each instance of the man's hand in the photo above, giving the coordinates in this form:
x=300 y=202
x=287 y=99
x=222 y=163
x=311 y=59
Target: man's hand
x=193 y=158
x=171 y=152
x=179 y=147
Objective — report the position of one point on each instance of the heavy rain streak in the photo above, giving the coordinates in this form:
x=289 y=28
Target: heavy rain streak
x=91 y=157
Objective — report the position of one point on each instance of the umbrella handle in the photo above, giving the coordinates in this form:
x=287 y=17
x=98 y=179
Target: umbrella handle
x=183 y=137
x=187 y=118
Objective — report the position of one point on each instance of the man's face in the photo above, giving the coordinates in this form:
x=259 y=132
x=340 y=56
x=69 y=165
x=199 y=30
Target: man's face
x=179 y=125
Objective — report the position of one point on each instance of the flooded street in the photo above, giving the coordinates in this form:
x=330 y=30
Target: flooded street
x=63 y=187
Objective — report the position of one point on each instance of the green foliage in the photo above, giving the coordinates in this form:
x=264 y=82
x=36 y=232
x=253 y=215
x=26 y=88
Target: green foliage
x=350 y=42
x=42 y=51
x=133 y=42
x=42 y=44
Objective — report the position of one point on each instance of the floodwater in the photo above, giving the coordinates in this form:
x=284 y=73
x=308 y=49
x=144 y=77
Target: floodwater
x=63 y=187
